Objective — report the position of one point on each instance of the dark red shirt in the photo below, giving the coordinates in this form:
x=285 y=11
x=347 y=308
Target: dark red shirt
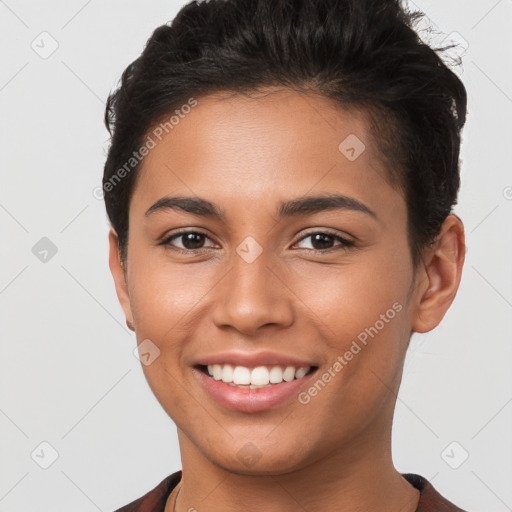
x=155 y=500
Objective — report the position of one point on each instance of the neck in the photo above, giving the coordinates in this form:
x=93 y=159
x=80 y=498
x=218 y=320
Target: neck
x=356 y=478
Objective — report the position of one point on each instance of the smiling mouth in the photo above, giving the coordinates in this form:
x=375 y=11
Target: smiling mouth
x=257 y=377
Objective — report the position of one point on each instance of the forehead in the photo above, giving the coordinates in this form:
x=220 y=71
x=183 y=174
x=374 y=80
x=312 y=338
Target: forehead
x=276 y=143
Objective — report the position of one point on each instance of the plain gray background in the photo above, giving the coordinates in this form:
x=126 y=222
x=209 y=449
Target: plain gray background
x=69 y=378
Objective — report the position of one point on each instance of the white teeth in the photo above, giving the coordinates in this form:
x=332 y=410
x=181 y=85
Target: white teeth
x=289 y=374
x=276 y=375
x=300 y=373
x=227 y=373
x=216 y=371
x=241 y=375
x=260 y=376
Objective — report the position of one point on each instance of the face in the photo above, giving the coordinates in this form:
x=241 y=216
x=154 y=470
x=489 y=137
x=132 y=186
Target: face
x=325 y=285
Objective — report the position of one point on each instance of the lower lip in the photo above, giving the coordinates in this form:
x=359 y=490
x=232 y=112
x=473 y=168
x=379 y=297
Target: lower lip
x=251 y=400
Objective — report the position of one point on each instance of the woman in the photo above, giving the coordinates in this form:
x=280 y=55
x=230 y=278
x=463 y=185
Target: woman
x=280 y=184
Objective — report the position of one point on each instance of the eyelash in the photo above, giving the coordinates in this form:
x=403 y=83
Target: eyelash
x=345 y=243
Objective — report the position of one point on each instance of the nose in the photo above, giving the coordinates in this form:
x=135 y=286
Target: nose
x=251 y=296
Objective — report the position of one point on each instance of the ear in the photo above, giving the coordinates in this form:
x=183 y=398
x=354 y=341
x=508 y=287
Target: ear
x=438 y=277
x=119 y=275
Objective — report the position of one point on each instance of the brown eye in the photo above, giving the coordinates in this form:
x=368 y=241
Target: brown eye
x=190 y=241
x=323 y=241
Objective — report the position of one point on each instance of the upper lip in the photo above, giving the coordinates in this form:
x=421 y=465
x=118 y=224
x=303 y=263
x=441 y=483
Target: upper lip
x=254 y=359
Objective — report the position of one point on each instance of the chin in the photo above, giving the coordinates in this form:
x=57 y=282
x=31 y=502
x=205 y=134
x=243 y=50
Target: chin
x=250 y=460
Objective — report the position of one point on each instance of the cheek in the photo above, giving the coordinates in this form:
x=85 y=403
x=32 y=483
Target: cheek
x=166 y=298
x=346 y=299
x=361 y=310
x=362 y=313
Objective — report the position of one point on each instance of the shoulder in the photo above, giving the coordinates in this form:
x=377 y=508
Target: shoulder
x=155 y=499
x=430 y=500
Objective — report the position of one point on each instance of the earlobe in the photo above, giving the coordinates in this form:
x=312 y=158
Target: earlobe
x=440 y=276
x=119 y=273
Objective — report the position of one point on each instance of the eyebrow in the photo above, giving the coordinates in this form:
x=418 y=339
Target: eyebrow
x=303 y=206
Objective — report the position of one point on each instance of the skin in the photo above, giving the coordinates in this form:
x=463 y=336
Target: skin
x=246 y=155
